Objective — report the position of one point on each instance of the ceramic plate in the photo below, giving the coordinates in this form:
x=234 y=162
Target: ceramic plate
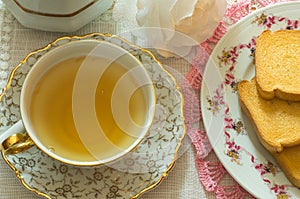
x=230 y=133
x=131 y=176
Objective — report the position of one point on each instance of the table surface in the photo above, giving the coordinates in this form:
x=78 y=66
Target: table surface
x=17 y=41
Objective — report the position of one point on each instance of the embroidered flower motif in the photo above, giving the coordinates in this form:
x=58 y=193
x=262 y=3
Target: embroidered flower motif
x=160 y=82
x=217 y=101
x=213 y=106
x=113 y=192
x=23 y=161
x=67 y=188
x=98 y=176
x=252 y=52
x=238 y=126
x=31 y=163
x=234 y=86
x=151 y=163
x=111 y=195
x=114 y=189
x=269 y=20
x=270 y=168
x=234 y=155
x=225 y=58
x=63 y=169
x=60 y=191
x=283 y=196
x=129 y=162
x=266 y=168
x=261 y=20
x=232 y=124
x=66 y=191
x=228 y=57
x=280 y=191
x=233 y=149
x=152 y=170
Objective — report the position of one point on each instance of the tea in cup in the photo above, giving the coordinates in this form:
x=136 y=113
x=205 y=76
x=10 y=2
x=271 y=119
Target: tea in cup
x=87 y=102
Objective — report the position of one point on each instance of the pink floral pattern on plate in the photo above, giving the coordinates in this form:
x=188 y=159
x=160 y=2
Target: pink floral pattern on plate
x=233 y=65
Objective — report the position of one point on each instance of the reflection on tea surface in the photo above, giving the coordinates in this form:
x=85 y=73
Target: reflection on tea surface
x=51 y=109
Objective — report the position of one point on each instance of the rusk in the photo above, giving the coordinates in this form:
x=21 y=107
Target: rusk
x=276 y=122
x=289 y=161
x=277 y=64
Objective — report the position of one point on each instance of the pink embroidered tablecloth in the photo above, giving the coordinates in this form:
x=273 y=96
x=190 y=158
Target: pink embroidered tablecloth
x=197 y=173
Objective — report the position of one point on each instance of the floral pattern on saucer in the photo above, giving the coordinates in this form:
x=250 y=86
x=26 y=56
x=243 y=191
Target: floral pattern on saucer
x=141 y=170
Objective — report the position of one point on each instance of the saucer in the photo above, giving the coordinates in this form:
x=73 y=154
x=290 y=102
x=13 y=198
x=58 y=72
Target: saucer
x=139 y=171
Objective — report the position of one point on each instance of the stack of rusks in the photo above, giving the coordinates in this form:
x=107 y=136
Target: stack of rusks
x=272 y=98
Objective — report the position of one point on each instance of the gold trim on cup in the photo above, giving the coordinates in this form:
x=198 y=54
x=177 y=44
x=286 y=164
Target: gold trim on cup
x=55 y=15
x=91 y=36
x=17 y=143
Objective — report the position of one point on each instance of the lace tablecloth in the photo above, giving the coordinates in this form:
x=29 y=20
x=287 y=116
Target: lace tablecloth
x=194 y=174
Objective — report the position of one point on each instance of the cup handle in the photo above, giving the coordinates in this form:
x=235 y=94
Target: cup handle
x=15 y=139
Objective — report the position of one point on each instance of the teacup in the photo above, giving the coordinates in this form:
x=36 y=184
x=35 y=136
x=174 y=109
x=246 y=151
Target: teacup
x=86 y=103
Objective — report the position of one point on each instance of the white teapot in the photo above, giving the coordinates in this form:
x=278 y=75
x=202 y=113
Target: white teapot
x=56 y=15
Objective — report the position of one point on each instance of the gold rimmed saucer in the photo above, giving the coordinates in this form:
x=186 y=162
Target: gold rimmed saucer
x=137 y=172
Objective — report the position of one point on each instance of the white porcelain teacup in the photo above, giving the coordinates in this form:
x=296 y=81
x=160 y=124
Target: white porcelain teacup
x=87 y=103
